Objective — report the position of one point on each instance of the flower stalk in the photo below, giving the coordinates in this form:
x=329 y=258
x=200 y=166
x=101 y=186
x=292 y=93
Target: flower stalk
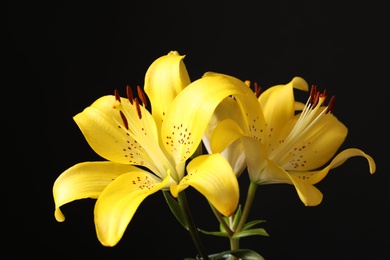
x=235 y=242
x=247 y=206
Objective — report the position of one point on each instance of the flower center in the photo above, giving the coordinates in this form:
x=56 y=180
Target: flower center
x=313 y=111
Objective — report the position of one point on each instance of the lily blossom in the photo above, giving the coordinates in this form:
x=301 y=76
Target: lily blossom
x=237 y=108
x=124 y=133
x=284 y=146
x=228 y=108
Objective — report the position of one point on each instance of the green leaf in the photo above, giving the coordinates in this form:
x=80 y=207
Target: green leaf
x=237 y=217
x=214 y=233
x=221 y=228
x=175 y=208
x=253 y=223
x=251 y=232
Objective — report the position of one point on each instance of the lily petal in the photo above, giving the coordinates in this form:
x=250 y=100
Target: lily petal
x=278 y=115
x=224 y=134
x=314 y=177
x=85 y=180
x=228 y=108
x=256 y=158
x=103 y=128
x=235 y=155
x=213 y=177
x=119 y=201
x=309 y=195
x=166 y=77
x=316 y=146
x=273 y=174
x=189 y=114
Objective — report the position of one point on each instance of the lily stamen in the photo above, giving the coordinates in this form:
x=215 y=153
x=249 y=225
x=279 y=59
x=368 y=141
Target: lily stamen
x=132 y=100
x=117 y=96
x=258 y=90
x=313 y=92
x=138 y=108
x=308 y=119
x=142 y=97
x=118 y=106
x=316 y=98
x=331 y=104
x=124 y=120
x=325 y=93
x=117 y=103
x=129 y=94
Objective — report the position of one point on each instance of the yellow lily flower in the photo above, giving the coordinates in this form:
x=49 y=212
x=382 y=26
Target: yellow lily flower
x=126 y=134
x=238 y=109
x=284 y=146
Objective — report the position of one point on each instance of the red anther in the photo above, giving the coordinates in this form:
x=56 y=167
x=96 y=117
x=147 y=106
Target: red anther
x=257 y=89
x=316 y=98
x=124 y=120
x=138 y=108
x=142 y=96
x=129 y=94
x=313 y=93
x=117 y=96
x=324 y=95
x=330 y=107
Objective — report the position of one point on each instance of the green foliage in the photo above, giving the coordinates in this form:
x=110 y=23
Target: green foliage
x=247 y=230
x=175 y=208
x=214 y=233
x=251 y=232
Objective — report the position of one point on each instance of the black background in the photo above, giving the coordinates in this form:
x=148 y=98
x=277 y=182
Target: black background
x=59 y=56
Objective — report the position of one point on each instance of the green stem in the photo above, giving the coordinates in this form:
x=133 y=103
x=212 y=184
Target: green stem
x=234 y=242
x=182 y=199
x=221 y=220
x=245 y=213
x=248 y=205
